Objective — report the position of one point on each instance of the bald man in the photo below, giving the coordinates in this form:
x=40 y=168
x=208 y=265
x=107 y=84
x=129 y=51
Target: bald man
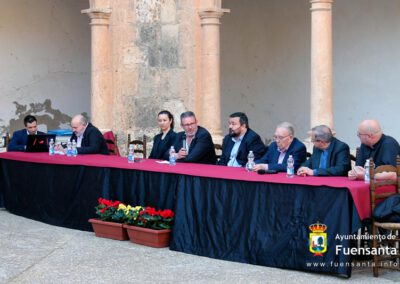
x=88 y=138
x=382 y=148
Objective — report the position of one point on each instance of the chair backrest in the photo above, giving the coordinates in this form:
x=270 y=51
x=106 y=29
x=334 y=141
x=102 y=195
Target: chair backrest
x=354 y=158
x=218 y=151
x=111 y=141
x=376 y=183
x=139 y=145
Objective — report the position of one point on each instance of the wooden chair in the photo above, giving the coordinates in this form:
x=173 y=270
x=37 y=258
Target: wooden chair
x=218 y=151
x=354 y=158
x=392 y=228
x=112 y=142
x=139 y=145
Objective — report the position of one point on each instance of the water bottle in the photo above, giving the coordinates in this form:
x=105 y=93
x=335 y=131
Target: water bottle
x=290 y=167
x=3 y=140
x=250 y=162
x=74 y=149
x=366 y=174
x=51 y=147
x=69 y=149
x=172 y=157
x=131 y=154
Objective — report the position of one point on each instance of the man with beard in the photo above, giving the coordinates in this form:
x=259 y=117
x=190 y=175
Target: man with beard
x=88 y=138
x=194 y=144
x=285 y=144
x=239 y=142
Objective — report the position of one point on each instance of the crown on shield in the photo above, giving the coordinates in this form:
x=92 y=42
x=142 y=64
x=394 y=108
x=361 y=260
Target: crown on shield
x=318 y=227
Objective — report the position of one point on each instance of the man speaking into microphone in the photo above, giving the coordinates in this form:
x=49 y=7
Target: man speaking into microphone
x=194 y=144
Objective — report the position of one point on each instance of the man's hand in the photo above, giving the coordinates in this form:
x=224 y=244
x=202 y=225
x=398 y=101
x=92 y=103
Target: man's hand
x=182 y=154
x=260 y=167
x=59 y=149
x=304 y=171
x=356 y=173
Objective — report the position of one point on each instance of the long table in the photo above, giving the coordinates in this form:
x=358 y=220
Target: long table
x=221 y=212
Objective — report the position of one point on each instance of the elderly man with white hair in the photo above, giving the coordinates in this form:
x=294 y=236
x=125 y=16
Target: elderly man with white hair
x=284 y=145
x=88 y=138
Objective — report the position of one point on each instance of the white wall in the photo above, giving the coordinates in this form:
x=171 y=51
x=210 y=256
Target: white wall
x=265 y=54
x=366 y=65
x=44 y=55
x=265 y=60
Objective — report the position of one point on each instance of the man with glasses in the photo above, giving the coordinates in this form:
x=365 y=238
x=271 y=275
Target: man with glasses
x=239 y=142
x=382 y=148
x=285 y=144
x=194 y=144
x=330 y=157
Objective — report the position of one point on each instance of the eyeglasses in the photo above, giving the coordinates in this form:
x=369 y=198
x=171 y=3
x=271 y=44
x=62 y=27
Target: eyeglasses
x=316 y=140
x=189 y=124
x=280 y=138
x=362 y=134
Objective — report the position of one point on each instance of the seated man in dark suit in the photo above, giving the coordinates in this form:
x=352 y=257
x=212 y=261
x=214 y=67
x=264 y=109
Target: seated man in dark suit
x=88 y=138
x=382 y=148
x=194 y=145
x=330 y=157
x=240 y=140
x=20 y=137
x=278 y=152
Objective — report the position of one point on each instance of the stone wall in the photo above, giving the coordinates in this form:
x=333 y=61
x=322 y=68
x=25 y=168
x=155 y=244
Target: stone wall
x=152 y=57
x=45 y=57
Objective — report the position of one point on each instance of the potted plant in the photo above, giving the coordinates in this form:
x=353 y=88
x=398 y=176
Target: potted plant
x=150 y=227
x=111 y=215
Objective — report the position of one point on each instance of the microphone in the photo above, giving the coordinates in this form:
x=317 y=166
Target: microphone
x=184 y=145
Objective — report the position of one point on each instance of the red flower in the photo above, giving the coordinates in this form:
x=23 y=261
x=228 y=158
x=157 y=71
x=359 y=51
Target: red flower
x=167 y=213
x=151 y=211
x=115 y=204
x=102 y=211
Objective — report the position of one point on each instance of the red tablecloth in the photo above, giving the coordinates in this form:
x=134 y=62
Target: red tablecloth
x=358 y=189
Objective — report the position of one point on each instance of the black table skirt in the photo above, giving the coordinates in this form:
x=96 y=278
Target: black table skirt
x=261 y=223
x=252 y=222
x=65 y=195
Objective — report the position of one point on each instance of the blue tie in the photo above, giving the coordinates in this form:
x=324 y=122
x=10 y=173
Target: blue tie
x=322 y=160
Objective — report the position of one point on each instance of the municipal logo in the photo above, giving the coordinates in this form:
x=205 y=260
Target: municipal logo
x=318 y=239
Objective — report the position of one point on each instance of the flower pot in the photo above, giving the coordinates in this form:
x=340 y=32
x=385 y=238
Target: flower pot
x=148 y=237
x=109 y=230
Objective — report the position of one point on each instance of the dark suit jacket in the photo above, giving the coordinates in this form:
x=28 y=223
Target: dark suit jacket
x=384 y=152
x=297 y=149
x=93 y=141
x=19 y=140
x=160 y=147
x=337 y=163
x=250 y=141
x=201 y=149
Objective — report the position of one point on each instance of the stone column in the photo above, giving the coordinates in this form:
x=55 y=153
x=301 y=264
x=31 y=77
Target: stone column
x=210 y=64
x=101 y=99
x=321 y=62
